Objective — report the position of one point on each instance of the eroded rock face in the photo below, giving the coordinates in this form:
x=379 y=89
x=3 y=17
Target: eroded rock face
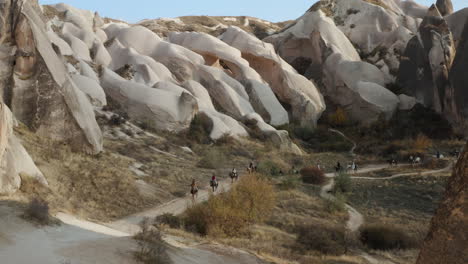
x=318 y=49
x=426 y=65
x=162 y=107
x=445 y=7
x=447 y=239
x=15 y=162
x=459 y=76
x=40 y=93
x=291 y=88
x=218 y=54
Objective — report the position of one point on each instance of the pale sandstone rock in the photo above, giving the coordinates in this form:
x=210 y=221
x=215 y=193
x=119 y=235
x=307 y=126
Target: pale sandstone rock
x=215 y=52
x=301 y=94
x=91 y=88
x=165 y=110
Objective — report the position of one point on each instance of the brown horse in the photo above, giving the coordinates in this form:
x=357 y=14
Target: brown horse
x=194 y=190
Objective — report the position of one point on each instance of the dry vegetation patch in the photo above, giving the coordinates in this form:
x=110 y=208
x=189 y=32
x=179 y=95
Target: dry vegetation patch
x=229 y=214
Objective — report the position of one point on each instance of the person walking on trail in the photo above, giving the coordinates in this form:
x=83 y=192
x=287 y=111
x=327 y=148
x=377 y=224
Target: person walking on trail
x=194 y=189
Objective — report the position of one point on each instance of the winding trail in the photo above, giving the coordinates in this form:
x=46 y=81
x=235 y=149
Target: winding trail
x=356 y=219
x=353 y=148
x=130 y=224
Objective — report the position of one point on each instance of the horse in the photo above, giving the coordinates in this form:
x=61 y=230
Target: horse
x=392 y=162
x=214 y=185
x=233 y=176
x=194 y=193
x=417 y=160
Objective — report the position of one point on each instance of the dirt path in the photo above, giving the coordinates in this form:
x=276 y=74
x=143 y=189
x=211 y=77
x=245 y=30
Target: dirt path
x=130 y=224
x=356 y=220
x=351 y=152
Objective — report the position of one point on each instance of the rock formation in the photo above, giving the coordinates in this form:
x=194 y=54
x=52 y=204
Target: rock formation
x=39 y=90
x=458 y=75
x=15 y=162
x=445 y=7
x=318 y=49
x=426 y=64
x=292 y=89
x=447 y=239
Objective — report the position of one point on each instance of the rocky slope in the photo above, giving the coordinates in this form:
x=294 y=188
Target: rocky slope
x=60 y=64
x=446 y=242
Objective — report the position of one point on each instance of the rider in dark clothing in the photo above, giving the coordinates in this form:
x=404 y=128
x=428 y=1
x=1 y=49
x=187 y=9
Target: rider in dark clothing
x=338 y=166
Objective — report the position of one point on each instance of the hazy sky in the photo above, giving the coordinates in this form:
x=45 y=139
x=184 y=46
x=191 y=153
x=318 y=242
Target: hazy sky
x=136 y=10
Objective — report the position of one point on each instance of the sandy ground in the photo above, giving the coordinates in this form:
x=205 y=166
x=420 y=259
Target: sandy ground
x=78 y=241
x=23 y=243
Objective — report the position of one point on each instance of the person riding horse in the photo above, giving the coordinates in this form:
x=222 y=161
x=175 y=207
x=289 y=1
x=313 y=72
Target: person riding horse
x=194 y=189
x=234 y=175
x=214 y=182
x=251 y=167
x=338 y=167
x=393 y=162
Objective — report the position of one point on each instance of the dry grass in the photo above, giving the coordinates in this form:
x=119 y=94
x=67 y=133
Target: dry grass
x=100 y=187
x=229 y=214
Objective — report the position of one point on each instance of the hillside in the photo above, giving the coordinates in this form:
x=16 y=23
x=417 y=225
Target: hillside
x=351 y=116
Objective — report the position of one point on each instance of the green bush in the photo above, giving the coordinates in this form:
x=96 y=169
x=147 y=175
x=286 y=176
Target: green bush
x=322 y=140
x=323 y=239
x=384 y=237
x=171 y=220
x=313 y=175
x=288 y=184
x=343 y=183
x=336 y=205
x=200 y=129
x=269 y=168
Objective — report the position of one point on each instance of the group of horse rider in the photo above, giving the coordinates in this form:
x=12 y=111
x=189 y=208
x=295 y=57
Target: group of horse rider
x=233 y=174
x=350 y=167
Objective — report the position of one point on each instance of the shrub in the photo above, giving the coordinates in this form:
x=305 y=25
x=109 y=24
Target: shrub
x=38 y=211
x=212 y=159
x=313 y=175
x=226 y=139
x=323 y=239
x=338 y=118
x=383 y=237
x=421 y=144
x=269 y=168
x=336 y=205
x=151 y=247
x=200 y=129
x=288 y=184
x=254 y=130
x=343 y=183
x=171 y=220
x=229 y=214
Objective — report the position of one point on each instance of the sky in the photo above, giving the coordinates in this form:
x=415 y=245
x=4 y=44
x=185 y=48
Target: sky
x=271 y=10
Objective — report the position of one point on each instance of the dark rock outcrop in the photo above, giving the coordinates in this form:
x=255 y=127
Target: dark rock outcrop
x=447 y=239
x=459 y=76
x=426 y=64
